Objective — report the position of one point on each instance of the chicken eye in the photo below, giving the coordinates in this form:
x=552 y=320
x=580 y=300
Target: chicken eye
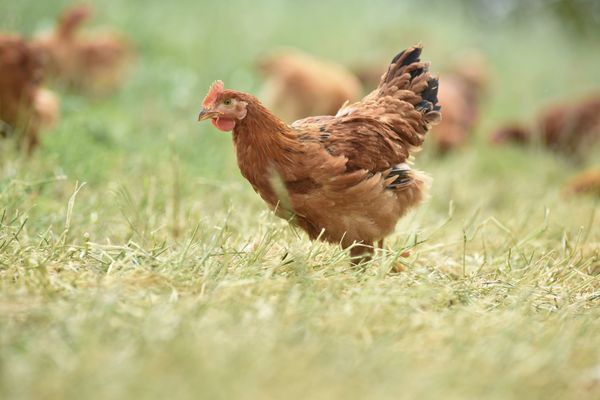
x=227 y=102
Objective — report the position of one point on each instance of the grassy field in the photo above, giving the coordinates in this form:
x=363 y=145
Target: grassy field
x=135 y=261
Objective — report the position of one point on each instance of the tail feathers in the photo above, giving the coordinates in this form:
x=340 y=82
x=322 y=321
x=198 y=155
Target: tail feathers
x=403 y=59
x=408 y=72
x=429 y=96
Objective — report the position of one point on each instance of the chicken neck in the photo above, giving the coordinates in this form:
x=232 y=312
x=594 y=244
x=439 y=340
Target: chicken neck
x=265 y=146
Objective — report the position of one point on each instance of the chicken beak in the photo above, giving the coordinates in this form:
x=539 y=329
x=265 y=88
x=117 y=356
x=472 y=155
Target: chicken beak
x=206 y=114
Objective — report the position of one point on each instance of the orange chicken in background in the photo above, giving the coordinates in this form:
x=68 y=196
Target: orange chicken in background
x=567 y=128
x=25 y=107
x=94 y=62
x=343 y=178
x=298 y=85
x=460 y=95
x=586 y=182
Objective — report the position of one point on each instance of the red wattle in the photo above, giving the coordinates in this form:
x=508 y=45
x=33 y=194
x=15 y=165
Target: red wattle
x=223 y=124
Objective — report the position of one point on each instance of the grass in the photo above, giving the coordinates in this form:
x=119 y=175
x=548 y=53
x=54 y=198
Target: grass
x=135 y=261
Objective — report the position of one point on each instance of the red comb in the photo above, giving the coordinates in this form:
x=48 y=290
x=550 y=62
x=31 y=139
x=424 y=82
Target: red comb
x=215 y=89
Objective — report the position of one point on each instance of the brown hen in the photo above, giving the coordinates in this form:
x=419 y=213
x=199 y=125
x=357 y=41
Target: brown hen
x=25 y=106
x=93 y=62
x=569 y=128
x=299 y=85
x=344 y=179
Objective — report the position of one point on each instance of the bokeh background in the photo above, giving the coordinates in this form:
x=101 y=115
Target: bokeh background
x=165 y=275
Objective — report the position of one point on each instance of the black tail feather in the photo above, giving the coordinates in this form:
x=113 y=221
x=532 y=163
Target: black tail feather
x=413 y=55
x=416 y=72
x=404 y=59
x=429 y=95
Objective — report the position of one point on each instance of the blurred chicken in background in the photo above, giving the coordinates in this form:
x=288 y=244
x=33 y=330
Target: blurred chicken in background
x=586 y=182
x=460 y=94
x=567 y=128
x=298 y=85
x=25 y=107
x=92 y=62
